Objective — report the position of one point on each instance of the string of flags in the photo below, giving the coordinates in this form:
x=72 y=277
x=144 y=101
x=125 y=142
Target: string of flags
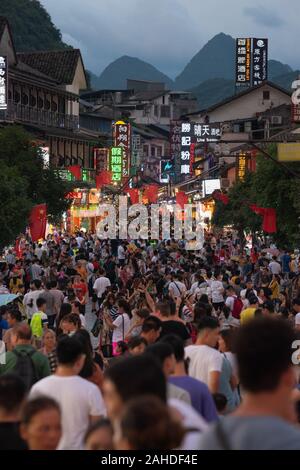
x=269 y=223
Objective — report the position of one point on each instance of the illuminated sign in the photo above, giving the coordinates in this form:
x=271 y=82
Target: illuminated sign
x=242 y=166
x=3 y=82
x=100 y=159
x=122 y=138
x=209 y=186
x=116 y=163
x=243 y=62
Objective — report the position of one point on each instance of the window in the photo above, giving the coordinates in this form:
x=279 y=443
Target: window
x=248 y=126
x=165 y=111
x=152 y=151
x=163 y=100
x=145 y=150
x=236 y=128
x=266 y=95
x=159 y=151
x=156 y=110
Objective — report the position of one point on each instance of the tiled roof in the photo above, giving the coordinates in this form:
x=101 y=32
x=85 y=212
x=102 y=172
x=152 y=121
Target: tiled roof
x=59 y=65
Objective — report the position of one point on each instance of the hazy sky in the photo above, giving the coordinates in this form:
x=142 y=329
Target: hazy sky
x=167 y=33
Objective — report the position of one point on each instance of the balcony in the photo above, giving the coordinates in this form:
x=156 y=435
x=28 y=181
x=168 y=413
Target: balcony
x=40 y=117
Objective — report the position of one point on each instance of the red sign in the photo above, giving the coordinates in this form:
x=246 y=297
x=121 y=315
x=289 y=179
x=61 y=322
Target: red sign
x=74 y=195
x=122 y=138
x=295 y=113
x=192 y=158
x=100 y=159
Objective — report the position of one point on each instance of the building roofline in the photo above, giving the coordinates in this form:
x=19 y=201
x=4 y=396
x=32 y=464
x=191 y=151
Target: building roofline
x=239 y=95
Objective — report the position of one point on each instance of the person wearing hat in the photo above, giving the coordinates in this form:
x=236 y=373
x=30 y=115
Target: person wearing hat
x=249 y=313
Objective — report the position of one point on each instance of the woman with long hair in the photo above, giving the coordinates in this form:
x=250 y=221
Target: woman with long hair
x=91 y=370
x=65 y=310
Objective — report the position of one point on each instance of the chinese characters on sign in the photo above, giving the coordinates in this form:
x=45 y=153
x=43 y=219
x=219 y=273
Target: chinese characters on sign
x=175 y=144
x=116 y=163
x=192 y=134
x=260 y=61
x=242 y=166
x=3 y=82
x=136 y=151
x=243 y=62
x=296 y=101
x=122 y=138
x=100 y=159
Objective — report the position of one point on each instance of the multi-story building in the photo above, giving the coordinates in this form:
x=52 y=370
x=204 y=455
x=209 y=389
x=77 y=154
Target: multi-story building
x=43 y=97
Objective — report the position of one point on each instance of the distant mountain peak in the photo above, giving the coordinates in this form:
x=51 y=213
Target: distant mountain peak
x=126 y=67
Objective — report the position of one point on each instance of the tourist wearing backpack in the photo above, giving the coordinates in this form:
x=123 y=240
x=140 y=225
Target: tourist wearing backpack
x=24 y=360
x=234 y=303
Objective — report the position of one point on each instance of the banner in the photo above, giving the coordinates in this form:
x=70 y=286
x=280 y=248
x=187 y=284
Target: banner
x=100 y=159
x=243 y=62
x=260 y=61
x=3 y=82
x=175 y=144
x=122 y=138
x=38 y=222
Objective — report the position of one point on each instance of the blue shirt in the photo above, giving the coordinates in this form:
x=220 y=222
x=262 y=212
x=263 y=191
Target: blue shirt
x=201 y=398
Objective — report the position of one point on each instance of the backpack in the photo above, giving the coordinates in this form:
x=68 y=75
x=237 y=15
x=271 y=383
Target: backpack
x=25 y=368
x=237 y=307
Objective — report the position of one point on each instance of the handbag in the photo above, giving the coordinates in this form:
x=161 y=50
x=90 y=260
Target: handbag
x=107 y=350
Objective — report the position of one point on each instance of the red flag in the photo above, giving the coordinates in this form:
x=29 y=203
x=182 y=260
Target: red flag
x=269 y=218
x=181 y=199
x=270 y=221
x=151 y=193
x=134 y=195
x=38 y=222
x=75 y=170
x=257 y=210
x=221 y=197
x=103 y=179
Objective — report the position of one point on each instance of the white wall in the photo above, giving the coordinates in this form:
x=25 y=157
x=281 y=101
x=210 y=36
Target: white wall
x=6 y=47
x=247 y=106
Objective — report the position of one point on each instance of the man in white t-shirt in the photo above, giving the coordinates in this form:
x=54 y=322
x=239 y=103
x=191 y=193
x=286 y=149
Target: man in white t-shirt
x=101 y=284
x=205 y=361
x=31 y=297
x=80 y=401
x=121 y=255
x=274 y=266
x=217 y=291
x=176 y=287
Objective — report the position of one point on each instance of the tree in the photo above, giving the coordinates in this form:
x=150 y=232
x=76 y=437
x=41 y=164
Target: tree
x=15 y=204
x=20 y=155
x=271 y=186
x=237 y=212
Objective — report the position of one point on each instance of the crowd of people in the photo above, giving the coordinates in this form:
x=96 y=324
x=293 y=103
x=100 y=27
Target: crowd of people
x=140 y=345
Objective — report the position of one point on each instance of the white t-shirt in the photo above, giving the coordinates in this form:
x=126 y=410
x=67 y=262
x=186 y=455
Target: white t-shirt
x=177 y=288
x=203 y=361
x=78 y=400
x=275 y=267
x=118 y=334
x=297 y=319
x=36 y=271
x=217 y=289
x=33 y=295
x=100 y=285
x=121 y=252
x=230 y=302
x=79 y=241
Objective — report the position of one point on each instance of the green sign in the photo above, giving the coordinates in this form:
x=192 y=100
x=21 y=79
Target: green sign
x=116 y=162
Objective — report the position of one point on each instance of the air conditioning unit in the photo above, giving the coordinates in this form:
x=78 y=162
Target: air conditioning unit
x=276 y=120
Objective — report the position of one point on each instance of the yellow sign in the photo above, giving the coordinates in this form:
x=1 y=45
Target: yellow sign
x=289 y=152
x=242 y=166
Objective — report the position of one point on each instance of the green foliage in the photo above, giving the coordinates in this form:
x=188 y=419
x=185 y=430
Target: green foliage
x=270 y=186
x=31 y=25
x=27 y=182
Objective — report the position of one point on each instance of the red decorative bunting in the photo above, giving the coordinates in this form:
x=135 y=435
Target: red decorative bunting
x=103 y=179
x=221 y=197
x=134 y=195
x=75 y=170
x=38 y=222
x=151 y=193
x=181 y=199
x=269 y=218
